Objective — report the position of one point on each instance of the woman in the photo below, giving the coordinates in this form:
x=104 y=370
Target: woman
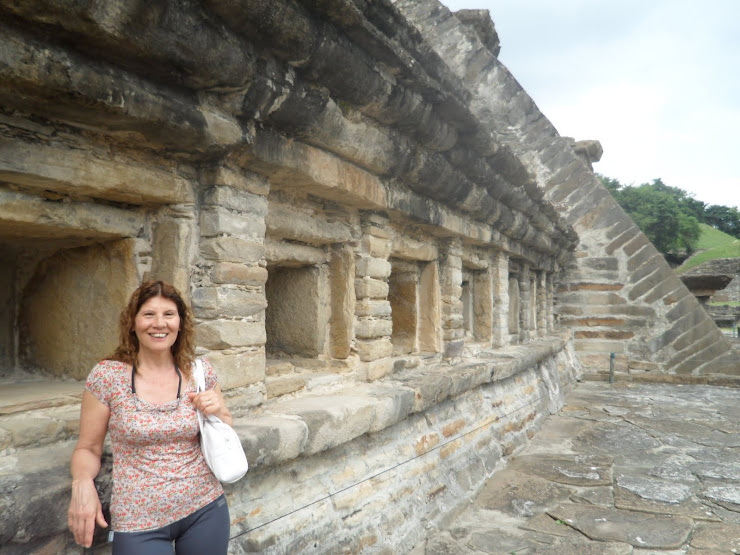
x=144 y=395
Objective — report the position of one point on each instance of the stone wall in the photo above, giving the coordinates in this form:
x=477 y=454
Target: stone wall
x=375 y=271
x=618 y=294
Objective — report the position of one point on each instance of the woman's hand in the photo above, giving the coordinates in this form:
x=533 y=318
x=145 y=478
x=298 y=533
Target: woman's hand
x=85 y=511
x=211 y=402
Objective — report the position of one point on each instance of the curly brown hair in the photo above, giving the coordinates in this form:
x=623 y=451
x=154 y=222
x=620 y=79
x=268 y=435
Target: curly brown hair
x=183 y=349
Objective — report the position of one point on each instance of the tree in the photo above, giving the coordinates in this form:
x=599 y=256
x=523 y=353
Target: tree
x=667 y=215
x=724 y=218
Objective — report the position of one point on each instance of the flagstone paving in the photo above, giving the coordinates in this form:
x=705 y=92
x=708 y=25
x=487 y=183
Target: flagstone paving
x=629 y=468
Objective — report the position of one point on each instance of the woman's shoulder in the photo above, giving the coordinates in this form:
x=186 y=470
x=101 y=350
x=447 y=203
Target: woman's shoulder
x=107 y=367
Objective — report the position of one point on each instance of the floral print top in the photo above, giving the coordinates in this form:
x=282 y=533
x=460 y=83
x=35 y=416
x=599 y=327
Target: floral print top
x=159 y=473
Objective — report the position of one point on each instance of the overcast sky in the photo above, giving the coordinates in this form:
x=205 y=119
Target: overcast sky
x=657 y=82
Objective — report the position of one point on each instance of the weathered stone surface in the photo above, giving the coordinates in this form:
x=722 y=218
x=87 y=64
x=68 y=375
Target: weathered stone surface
x=720 y=537
x=657 y=532
x=238 y=274
x=293 y=254
x=227 y=302
x=220 y=221
x=226 y=334
x=76 y=172
x=329 y=426
x=24 y=216
x=376 y=268
x=654 y=490
x=82 y=287
x=238 y=200
x=726 y=496
x=366 y=328
x=373 y=349
x=232 y=249
x=367 y=287
x=520 y=495
x=272 y=439
x=238 y=369
x=574 y=471
x=289 y=222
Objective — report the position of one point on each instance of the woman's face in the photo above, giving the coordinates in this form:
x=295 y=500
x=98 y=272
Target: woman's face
x=157 y=324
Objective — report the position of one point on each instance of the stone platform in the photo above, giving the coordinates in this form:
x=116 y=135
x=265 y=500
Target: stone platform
x=622 y=469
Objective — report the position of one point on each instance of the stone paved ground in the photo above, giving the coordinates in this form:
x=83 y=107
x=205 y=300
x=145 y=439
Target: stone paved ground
x=623 y=468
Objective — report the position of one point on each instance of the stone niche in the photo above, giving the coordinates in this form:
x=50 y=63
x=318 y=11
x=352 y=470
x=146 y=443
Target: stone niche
x=297 y=312
x=68 y=310
x=412 y=288
x=60 y=309
x=514 y=316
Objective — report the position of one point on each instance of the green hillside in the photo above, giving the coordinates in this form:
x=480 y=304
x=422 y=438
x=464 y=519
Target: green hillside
x=712 y=244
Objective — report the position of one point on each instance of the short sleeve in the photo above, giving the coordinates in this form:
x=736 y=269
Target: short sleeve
x=99 y=382
x=210 y=375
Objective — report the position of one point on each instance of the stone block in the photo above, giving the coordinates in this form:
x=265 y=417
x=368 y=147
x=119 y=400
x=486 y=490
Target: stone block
x=621 y=239
x=293 y=254
x=599 y=346
x=377 y=268
x=171 y=253
x=367 y=287
x=238 y=369
x=373 y=349
x=366 y=328
x=643 y=256
x=648 y=284
x=87 y=174
x=343 y=304
x=636 y=244
x=227 y=302
x=302 y=225
x=269 y=440
x=412 y=249
x=238 y=274
x=223 y=176
x=219 y=221
x=330 y=424
x=282 y=385
x=27 y=430
x=376 y=308
x=226 y=334
x=377 y=369
x=232 y=249
x=377 y=247
x=237 y=200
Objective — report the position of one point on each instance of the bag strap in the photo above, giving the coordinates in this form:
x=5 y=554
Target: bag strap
x=199 y=375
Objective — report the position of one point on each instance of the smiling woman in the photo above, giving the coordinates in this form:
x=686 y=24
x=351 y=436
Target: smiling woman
x=144 y=394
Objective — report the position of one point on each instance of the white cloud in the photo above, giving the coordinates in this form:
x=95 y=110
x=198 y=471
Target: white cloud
x=656 y=81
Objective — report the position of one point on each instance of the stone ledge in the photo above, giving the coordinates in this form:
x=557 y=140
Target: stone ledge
x=722 y=380
x=313 y=421
x=318 y=421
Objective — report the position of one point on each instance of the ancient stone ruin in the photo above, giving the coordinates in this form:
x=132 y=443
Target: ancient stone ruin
x=397 y=265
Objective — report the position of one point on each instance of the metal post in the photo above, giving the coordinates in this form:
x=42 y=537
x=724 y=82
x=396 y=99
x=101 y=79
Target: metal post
x=611 y=367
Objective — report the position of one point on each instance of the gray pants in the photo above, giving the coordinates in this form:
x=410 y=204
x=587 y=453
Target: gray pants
x=204 y=531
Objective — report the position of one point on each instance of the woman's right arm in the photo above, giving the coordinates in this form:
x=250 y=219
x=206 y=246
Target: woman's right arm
x=85 y=508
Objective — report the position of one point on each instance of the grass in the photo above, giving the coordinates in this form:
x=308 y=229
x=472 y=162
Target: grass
x=713 y=244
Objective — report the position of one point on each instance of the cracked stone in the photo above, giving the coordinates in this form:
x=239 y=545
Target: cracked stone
x=520 y=494
x=637 y=529
x=602 y=496
x=726 y=496
x=720 y=537
x=655 y=490
x=570 y=470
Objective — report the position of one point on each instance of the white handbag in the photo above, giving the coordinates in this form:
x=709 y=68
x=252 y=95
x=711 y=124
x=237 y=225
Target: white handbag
x=220 y=444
